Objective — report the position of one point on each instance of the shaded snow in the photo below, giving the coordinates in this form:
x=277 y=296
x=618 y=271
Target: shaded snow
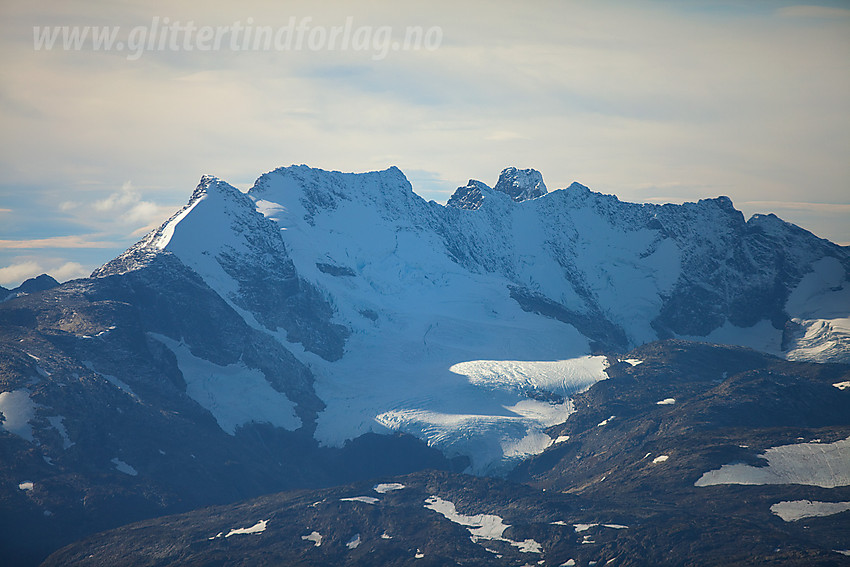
x=816 y=464
x=481 y=526
x=794 y=510
x=762 y=336
x=354 y=542
x=118 y=383
x=123 y=467
x=58 y=423
x=819 y=305
x=233 y=394
x=17 y=409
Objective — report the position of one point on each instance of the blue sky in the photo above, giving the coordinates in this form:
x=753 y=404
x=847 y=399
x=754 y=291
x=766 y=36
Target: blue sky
x=652 y=101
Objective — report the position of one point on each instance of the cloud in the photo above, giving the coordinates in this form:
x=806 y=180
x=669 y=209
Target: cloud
x=12 y=276
x=813 y=12
x=56 y=242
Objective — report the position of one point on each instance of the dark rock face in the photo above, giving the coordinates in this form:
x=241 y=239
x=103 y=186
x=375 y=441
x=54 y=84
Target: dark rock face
x=603 y=493
x=521 y=184
x=469 y=197
x=32 y=285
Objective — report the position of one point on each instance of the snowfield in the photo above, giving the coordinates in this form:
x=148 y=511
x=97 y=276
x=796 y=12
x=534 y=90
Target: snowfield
x=482 y=527
x=794 y=510
x=233 y=394
x=815 y=464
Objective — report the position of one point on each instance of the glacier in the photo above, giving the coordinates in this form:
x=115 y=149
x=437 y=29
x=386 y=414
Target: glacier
x=469 y=325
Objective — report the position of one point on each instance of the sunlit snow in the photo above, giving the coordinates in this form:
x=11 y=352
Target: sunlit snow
x=383 y=488
x=816 y=464
x=257 y=528
x=794 y=510
x=364 y=499
x=666 y=402
x=315 y=537
x=482 y=527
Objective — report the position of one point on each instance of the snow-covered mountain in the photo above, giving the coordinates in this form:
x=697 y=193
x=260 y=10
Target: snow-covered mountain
x=469 y=325
x=327 y=327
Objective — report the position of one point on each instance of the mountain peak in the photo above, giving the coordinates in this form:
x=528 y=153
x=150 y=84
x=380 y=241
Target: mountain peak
x=521 y=184
x=469 y=196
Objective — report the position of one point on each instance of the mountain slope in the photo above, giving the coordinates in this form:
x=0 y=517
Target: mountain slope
x=327 y=327
x=628 y=488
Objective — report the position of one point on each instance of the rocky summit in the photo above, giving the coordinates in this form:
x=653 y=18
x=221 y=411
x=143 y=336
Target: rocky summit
x=520 y=376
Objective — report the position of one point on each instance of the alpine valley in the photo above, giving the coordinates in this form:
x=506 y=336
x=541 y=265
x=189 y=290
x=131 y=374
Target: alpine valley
x=331 y=370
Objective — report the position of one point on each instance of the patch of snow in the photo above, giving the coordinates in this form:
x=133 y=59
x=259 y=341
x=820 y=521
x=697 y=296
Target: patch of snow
x=47 y=513
x=385 y=535
x=583 y=527
x=569 y=563
x=123 y=467
x=354 y=542
x=120 y=384
x=383 y=488
x=233 y=394
x=481 y=526
x=419 y=554
x=842 y=551
x=564 y=377
x=666 y=402
x=632 y=361
x=660 y=459
x=364 y=499
x=257 y=528
x=605 y=421
x=26 y=485
x=315 y=537
x=559 y=523
x=794 y=510
x=561 y=439
x=17 y=409
x=615 y=526
x=842 y=385
x=58 y=423
x=815 y=464
x=761 y=337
